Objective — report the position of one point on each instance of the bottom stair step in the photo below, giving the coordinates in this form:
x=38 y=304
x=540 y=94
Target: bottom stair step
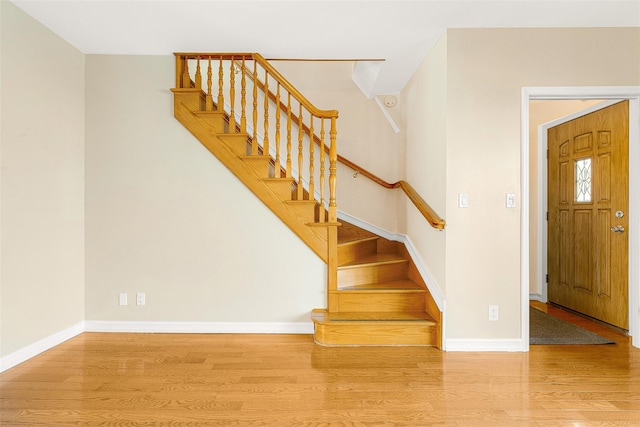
x=376 y=328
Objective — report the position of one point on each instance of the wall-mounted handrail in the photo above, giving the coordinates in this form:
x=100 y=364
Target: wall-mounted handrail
x=423 y=207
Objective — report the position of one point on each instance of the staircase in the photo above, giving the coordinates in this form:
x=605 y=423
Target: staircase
x=380 y=298
x=375 y=295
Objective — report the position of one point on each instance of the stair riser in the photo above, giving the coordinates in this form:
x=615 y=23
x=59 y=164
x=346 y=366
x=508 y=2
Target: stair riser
x=282 y=188
x=353 y=251
x=259 y=165
x=377 y=333
x=364 y=302
x=191 y=100
x=306 y=212
x=362 y=275
x=215 y=120
x=237 y=142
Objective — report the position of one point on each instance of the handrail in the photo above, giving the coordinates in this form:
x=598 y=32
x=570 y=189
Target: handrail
x=295 y=92
x=423 y=207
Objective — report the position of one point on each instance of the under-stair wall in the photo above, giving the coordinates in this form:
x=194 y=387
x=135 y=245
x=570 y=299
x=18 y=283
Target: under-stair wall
x=166 y=218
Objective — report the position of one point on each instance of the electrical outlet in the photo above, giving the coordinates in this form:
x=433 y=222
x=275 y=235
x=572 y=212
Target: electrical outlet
x=122 y=298
x=140 y=298
x=494 y=313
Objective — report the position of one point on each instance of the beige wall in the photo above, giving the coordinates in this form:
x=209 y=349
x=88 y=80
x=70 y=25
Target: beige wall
x=165 y=217
x=486 y=71
x=42 y=232
x=424 y=113
x=364 y=136
x=541 y=112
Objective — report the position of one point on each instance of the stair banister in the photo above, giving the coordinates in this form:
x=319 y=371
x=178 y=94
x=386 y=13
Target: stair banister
x=184 y=80
x=423 y=207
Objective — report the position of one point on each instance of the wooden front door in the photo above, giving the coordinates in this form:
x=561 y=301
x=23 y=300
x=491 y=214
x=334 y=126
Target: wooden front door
x=588 y=214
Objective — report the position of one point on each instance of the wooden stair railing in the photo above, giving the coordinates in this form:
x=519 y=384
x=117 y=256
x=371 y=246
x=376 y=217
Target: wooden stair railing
x=239 y=73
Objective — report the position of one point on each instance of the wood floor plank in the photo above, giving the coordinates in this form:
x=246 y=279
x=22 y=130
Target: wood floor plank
x=100 y=379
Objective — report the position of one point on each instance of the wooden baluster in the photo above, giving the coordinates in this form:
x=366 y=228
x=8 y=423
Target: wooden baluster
x=276 y=168
x=321 y=154
x=220 y=85
x=300 y=187
x=179 y=68
x=288 y=172
x=243 y=101
x=232 y=97
x=209 y=97
x=198 y=75
x=265 y=142
x=333 y=160
x=254 y=142
x=186 y=80
x=312 y=195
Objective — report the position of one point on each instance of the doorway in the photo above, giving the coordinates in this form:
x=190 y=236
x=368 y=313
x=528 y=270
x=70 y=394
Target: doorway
x=614 y=94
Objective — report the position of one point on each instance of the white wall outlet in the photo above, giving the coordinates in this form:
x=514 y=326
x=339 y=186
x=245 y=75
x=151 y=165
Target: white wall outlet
x=140 y=298
x=463 y=200
x=122 y=298
x=494 y=313
x=511 y=200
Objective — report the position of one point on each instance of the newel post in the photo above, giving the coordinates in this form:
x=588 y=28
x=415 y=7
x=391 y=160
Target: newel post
x=332 y=228
x=333 y=167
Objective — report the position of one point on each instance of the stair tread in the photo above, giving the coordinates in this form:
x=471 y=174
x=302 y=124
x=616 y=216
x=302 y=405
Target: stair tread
x=301 y=202
x=396 y=285
x=352 y=240
x=323 y=316
x=257 y=157
x=377 y=258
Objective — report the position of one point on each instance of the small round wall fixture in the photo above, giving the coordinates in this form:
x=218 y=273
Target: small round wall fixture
x=389 y=101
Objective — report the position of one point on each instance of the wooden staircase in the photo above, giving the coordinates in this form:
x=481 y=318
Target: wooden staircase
x=375 y=295
x=380 y=298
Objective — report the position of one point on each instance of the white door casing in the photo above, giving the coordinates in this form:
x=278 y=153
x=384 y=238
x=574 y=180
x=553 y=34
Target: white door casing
x=615 y=94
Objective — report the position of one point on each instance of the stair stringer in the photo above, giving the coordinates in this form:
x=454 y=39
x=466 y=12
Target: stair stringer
x=187 y=102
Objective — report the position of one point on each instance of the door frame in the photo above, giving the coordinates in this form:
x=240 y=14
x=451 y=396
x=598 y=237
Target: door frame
x=612 y=94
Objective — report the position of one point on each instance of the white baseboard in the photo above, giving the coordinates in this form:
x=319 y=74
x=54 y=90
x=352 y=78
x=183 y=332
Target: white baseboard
x=366 y=226
x=534 y=296
x=200 y=327
x=502 y=345
x=26 y=353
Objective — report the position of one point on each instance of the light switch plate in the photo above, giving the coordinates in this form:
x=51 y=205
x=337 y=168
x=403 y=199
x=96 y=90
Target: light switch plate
x=511 y=200
x=463 y=200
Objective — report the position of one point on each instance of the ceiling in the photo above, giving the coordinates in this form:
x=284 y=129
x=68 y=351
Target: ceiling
x=401 y=32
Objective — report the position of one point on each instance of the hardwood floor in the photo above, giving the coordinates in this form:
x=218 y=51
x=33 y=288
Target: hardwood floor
x=99 y=379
